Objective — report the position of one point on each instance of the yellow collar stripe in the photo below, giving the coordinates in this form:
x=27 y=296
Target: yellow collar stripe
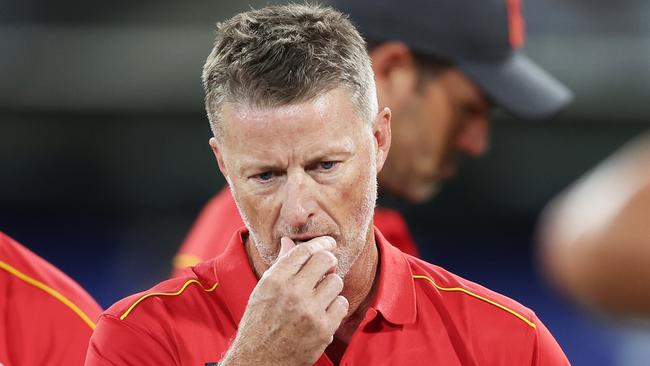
x=187 y=283
x=470 y=293
x=50 y=291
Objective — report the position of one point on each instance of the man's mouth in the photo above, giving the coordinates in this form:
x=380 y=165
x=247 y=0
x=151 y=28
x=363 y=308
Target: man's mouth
x=299 y=239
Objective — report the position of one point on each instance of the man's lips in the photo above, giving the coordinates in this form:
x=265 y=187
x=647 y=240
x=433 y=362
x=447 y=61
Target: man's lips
x=298 y=239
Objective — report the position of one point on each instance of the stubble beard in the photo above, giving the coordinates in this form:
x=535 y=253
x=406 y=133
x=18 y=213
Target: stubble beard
x=353 y=237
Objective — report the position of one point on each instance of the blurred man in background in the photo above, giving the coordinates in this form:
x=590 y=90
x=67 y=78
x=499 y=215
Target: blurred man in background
x=595 y=237
x=440 y=66
x=45 y=317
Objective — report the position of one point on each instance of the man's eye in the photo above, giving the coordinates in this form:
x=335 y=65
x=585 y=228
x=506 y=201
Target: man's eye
x=264 y=176
x=327 y=165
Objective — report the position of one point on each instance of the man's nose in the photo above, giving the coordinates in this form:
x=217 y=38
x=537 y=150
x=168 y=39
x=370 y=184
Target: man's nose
x=299 y=204
x=473 y=138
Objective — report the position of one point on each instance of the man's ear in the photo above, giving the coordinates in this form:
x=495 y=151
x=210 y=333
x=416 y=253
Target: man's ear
x=395 y=72
x=214 y=145
x=382 y=135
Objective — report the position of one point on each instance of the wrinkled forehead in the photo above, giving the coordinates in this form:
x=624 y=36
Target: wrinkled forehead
x=331 y=115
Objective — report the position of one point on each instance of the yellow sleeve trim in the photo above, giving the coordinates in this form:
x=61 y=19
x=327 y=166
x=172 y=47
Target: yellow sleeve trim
x=470 y=293
x=144 y=297
x=50 y=291
x=185 y=260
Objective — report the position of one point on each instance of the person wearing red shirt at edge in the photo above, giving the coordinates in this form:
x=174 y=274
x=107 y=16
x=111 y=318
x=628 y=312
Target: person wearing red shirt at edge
x=300 y=139
x=45 y=317
x=440 y=90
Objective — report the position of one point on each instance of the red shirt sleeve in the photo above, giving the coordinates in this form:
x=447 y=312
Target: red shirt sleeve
x=547 y=350
x=116 y=342
x=47 y=318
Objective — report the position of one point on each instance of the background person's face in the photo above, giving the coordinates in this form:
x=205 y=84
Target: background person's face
x=302 y=171
x=444 y=116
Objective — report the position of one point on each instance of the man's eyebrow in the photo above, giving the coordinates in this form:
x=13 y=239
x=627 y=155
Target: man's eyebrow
x=342 y=148
x=329 y=155
x=256 y=164
x=252 y=166
x=332 y=155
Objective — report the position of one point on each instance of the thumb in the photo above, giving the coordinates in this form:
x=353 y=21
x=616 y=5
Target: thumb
x=286 y=244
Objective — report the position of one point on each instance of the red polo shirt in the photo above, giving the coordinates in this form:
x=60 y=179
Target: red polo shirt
x=45 y=317
x=220 y=218
x=420 y=315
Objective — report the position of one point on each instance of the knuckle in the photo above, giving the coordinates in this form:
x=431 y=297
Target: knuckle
x=332 y=258
x=269 y=280
x=327 y=240
x=326 y=257
x=307 y=317
x=322 y=327
x=302 y=250
x=320 y=255
x=333 y=282
x=338 y=281
x=343 y=302
x=292 y=296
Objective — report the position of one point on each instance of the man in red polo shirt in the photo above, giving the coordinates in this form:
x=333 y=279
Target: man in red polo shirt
x=46 y=318
x=439 y=66
x=300 y=139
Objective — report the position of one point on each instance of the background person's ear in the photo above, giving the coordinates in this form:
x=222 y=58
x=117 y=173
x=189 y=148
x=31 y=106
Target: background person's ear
x=395 y=72
x=382 y=134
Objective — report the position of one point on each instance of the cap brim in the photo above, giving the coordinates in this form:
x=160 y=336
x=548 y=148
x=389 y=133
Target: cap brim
x=519 y=86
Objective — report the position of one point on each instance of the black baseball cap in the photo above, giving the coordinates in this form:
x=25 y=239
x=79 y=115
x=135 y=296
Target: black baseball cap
x=483 y=38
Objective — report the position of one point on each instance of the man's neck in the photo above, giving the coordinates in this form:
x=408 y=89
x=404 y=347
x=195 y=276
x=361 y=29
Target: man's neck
x=359 y=282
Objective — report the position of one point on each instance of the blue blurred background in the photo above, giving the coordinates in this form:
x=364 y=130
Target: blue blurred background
x=104 y=161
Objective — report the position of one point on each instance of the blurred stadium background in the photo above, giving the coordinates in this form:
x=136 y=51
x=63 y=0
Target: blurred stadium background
x=104 y=161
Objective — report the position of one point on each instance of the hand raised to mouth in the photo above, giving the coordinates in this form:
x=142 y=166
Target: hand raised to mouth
x=294 y=310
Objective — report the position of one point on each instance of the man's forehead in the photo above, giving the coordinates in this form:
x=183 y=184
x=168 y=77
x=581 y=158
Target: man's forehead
x=304 y=128
x=326 y=105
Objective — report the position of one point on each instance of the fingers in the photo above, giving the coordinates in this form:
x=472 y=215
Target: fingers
x=320 y=264
x=294 y=256
x=286 y=245
x=337 y=310
x=329 y=288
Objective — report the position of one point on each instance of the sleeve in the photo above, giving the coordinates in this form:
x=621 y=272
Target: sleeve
x=117 y=342
x=547 y=351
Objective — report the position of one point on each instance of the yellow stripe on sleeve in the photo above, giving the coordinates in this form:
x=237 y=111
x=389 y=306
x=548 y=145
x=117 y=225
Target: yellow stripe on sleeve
x=50 y=291
x=187 y=283
x=470 y=293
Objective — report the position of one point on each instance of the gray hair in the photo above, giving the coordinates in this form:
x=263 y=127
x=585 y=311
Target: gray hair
x=286 y=54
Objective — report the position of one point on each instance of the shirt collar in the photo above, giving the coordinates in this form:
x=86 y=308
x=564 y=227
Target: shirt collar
x=395 y=294
x=235 y=275
x=394 y=297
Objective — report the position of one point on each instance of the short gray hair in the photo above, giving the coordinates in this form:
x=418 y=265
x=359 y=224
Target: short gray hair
x=286 y=54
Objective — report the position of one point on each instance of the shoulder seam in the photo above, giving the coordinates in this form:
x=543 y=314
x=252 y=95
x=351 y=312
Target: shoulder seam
x=50 y=291
x=176 y=293
x=479 y=297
